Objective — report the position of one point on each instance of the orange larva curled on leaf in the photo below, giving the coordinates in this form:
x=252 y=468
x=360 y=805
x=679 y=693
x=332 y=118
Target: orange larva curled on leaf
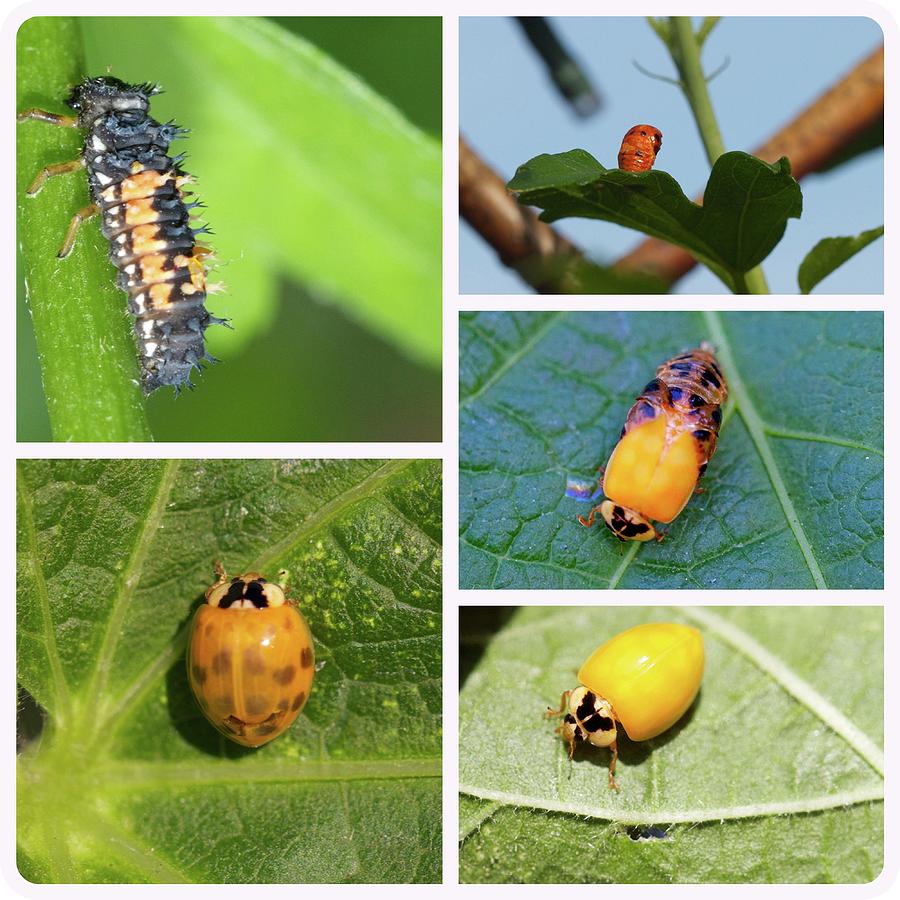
x=250 y=658
x=639 y=148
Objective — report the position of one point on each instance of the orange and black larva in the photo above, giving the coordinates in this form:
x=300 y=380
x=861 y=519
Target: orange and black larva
x=639 y=148
x=138 y=189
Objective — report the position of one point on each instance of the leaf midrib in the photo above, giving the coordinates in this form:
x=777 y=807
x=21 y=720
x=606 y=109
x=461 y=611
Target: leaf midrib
x=128 y=776
x=865 y=794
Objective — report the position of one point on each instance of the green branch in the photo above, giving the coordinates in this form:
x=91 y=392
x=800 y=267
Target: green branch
x=685 y=45
x=84 y=337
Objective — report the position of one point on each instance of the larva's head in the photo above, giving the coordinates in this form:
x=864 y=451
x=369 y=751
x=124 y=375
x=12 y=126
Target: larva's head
x=97 y=96
x=626 y=524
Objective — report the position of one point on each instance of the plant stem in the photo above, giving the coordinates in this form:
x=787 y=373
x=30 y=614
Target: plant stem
x=85 y=346
x=685 y=50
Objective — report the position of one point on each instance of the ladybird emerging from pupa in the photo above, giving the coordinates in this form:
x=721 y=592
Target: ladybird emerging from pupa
x=139 y=192
x=669 y=437
x=250 y=658
x=639 y=148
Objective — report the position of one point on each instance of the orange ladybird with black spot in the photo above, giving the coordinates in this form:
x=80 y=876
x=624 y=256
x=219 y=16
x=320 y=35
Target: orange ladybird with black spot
x=250 y=658
x=639 y=148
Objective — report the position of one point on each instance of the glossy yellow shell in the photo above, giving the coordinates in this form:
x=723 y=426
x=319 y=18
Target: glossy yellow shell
x=250 y=669
x=650 y=475
x=650 y=674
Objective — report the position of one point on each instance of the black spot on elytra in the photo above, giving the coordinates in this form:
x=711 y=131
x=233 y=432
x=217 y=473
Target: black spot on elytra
x=256 y=704
x=254 y=661
x=306 y=657
x=221 y=662
x=299 y=700
x=285 y=675
x=198 y=673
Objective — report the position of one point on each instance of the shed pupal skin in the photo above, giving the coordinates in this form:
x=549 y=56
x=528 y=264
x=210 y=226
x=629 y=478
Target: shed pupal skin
x=138 y=190
x=670 y=435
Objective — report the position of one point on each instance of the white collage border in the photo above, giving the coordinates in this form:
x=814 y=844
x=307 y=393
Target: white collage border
x=887 y=14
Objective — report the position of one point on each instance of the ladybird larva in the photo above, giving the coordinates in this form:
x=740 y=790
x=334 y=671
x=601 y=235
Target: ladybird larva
x=639 y=148
x=138 y=190
x=670 y=435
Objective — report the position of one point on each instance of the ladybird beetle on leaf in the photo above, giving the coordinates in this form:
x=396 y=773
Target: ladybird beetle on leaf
x=639 y=148
x=139 y=192
x=643 y=679
x=670 y=435
x=250 y=658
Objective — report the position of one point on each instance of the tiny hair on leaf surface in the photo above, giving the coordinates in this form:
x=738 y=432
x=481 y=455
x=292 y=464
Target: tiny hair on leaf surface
x=113 y=559
x=747 y=204
x=793 y=497
x=775 y=774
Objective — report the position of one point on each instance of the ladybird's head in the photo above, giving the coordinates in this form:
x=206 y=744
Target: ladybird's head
x=247 y=591
x=96 y=96
x=590 y=718
x=626 y=524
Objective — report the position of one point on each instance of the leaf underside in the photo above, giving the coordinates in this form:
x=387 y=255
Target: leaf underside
x=746 y=206
x=761 y=786
x=129 y=783
x=793 y=497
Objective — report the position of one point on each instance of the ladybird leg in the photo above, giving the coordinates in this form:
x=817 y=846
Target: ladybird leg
x=81 y=216
x=49 y=171
x=51 y=118
x=589 y=521
x=614 y=751
x=563 y=704
x=660 y=535
x=568 y=738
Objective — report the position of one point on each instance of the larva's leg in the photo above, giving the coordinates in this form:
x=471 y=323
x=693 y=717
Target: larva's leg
x=81 y=216
x=50 y=118
x=50 y=172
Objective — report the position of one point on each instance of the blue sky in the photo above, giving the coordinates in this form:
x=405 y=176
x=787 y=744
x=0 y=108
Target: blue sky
x=509 y=112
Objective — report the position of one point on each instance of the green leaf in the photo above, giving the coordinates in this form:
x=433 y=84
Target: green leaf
x=305 y=171
x=747 y=203
x=129 y=783
x=793 y=497
x=774 y=775
x=831 y=253
x=87 y=353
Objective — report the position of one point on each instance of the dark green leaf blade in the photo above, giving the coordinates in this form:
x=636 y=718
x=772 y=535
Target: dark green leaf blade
x=114 y=557
x=793 y=497
x=699 y=803
x=831 y=253
x=746 y=208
